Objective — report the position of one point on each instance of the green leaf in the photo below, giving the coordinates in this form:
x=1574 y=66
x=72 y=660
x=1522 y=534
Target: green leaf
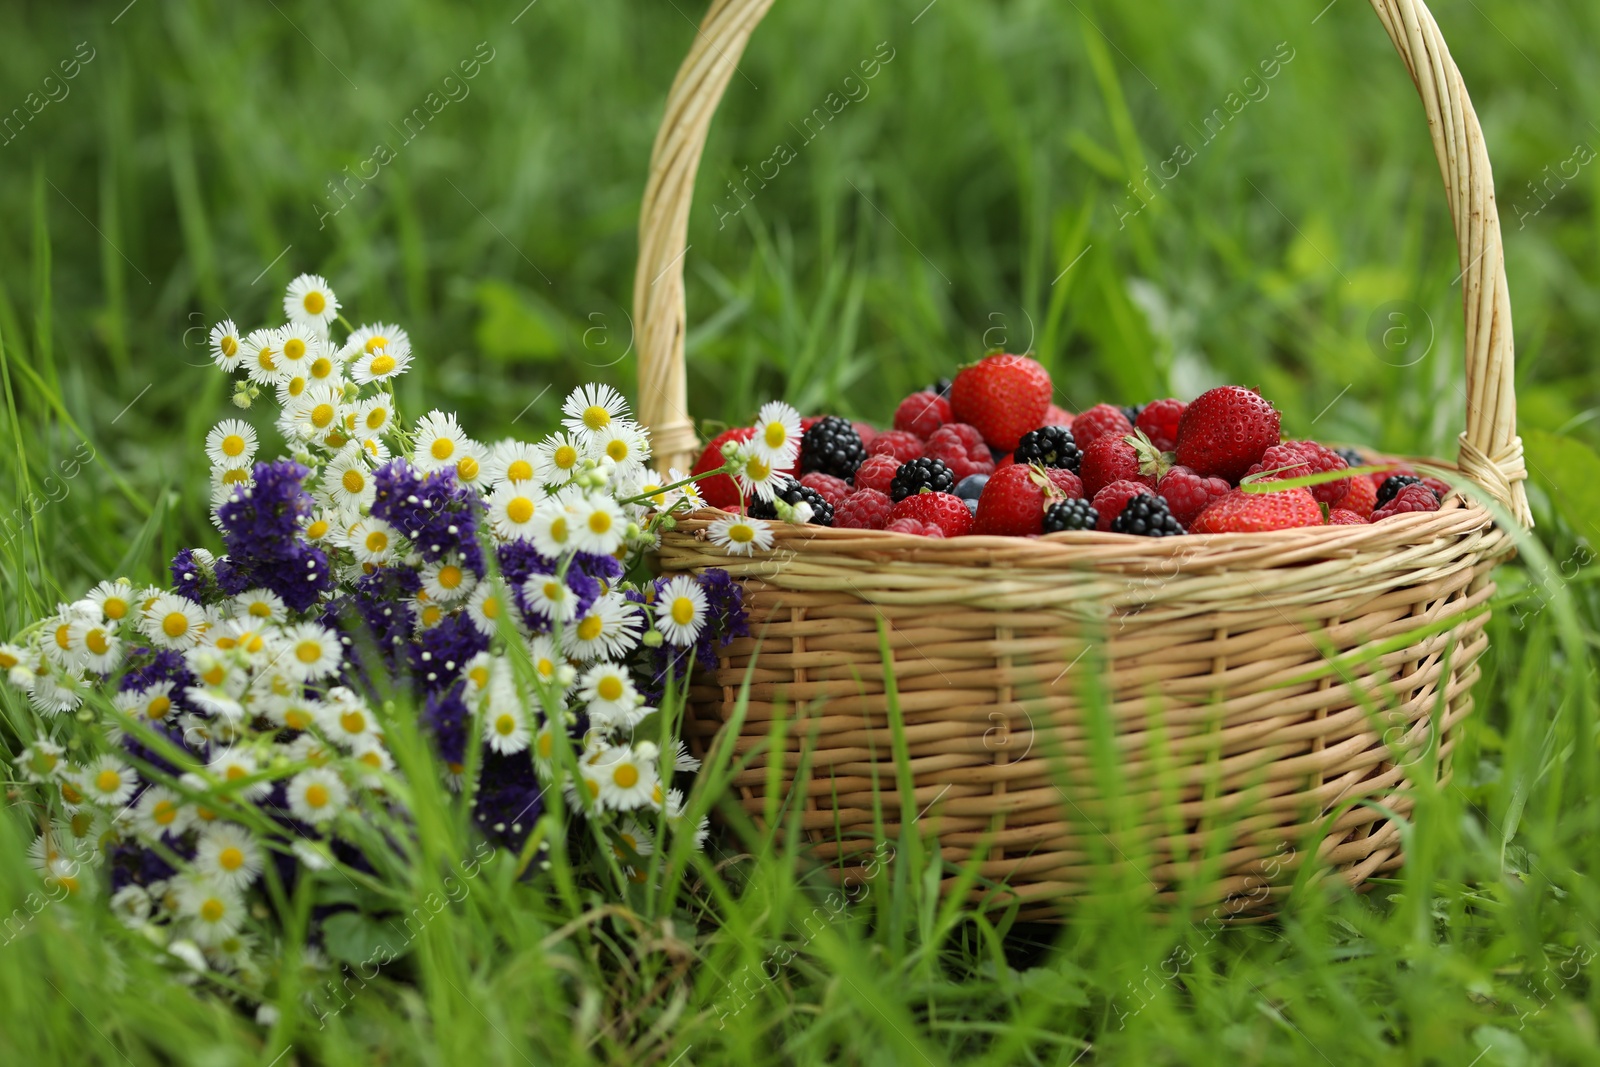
x=1570 y=470
x=352 y=937
x=512 y=328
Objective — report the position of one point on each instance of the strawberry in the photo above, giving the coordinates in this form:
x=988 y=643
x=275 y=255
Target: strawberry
x=921 y=414
x=864 y=509
x=827 y=486
x=1223 y=431
x=1014 y=500
x=915 y=527
x=1004 y=396
x=1412 y=498
x=1346 y=517
x=1109 y=502
x=1159 y=421
x=1056 y=416
x=1297 y=459
x=1361 y=497
x=903 y=445
x=720 y=492
x=1187 y=494
x=1244 y=512
x=876 y=473
x=949 y=513
x=1097 y=422
x=960 y=447
x=1114 y=459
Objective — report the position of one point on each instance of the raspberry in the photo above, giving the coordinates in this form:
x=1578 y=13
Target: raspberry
x=1099 y=421
x=865 y=432
x=864 y=509
x=921 y=414
x=1004 y=396
x=720 y=491
x=1076 y=514
x=1390 y=486
x=1440 y=487
x=960 y=447
x=1346 y=517
x=1014 y=500
x=1245 y=512
x=1056 y=416
x=918 y=475
x=792 y=492
x=1115 y=459
x=1049 y=446
x=1411 y=498
x=915 y=527
x=1187 y=494
x=900 y=444
x=1159 y=421
x=1361 y=497
x=826 y=486
x=1225 y=430
x=1297 y=459
x=1110 y=501
x=1146 y=516
x=877 y=473
x=831 y=446
x=949 y=513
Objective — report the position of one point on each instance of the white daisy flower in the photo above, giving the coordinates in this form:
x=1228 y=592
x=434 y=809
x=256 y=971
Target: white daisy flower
x=591 y=408
x=298 y=349
x=542 y=653
x=321 y=525
x=11 y=656
x=376 y=451
x=757 y=475
x=317 y=795
x=296 y=713
x=627 y=776
x=682 y=759
x=261 y=357
x=370 y=339
x=632 y=840
x=550 y=596
x=290 y=388
x=505 y=727
x=511 y=461
x=485 y=607
x=376 y=761
x=151 y=704
x=470 y=463
x=346 y=483
x=131 y=904
x=314 y=412
x=513 y=509
x=114 y=599
x=557 y=459
x=52 y=691
x=553 y=533
x=311 y=652
x=228 y=856
x=439 y=439
x=56 y=639
x=226 y=351
x=609 y=631
x=478 y=673
x=108 y=781
x=447 y=580
x=98 y=646
x=310 y=302
x=233 y=764
x=350 y=723
x=42 y=761
x=231 y=443
x=214 y=911
x=674 y=807
x=374 y=414
x=170 y=621
x=626 y=445
x=372 y=540
x=777 y=436
x=598 y=523
x=681 y=610
x=262 y=605
x=740 y=535
x=379 y=365
x=161 y=811
x=324 y=368
x=610 y=695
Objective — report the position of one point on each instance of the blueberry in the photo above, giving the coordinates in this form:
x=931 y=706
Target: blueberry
x=971 y=487
x=971 y=503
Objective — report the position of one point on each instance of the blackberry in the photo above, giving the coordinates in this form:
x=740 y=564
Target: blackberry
x=1392 y=486
x=1070 y=515
x=971 y=487
x=832 y=446
x=1049 y=446
x=1146 y=516
x=792 y=492
x=1132 y=411
x=1350 y=456
x=912 y=478
x=941 y=387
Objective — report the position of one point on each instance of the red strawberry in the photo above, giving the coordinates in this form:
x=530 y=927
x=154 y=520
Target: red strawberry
x=922 y=413
x=1244 y=512
x=1346 y=517
x=1056 y=416
x=1109 y=502
x=1361 y=497
x=1114 y=459
x=949 y=513
x=1297 y=459
x=1224 y=431
x=1159 y=421
x=720 y=492
x=830 y=488
x=915 y=527
x=901 y=444
x=876 y=473
x=1004 y=396
x=864 y=509
x=960 y=447
x=1013 y=502
x=1414 y=497
x=1099 y=421
x=1187 y=494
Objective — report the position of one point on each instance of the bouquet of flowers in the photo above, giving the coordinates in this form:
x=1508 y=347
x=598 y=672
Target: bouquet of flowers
x=197 y=749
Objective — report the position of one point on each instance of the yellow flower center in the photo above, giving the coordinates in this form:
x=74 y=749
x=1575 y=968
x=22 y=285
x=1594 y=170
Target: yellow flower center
x=235 y=477
x=215 y=676
x=432 y=614
x=546 y=668
x=600 y=522
x=164 y=813
x=377 y=541
x=546 y=744
x=316 y=795
x=322 y=416
x=336 y=439
x=520 y=510
x=97 y=641
x=519 y=470
x=590 y=628
x=742 y=532
x=554 y=590
x=229 y=346
x=230 y=858
x=212 y=910
x=596 y=417
x=505 y=725
x=442 y=448
x=308 y=651
x=449 y=576
x=70 y=793
x=558 y=530
x=322 y=368
x=317 y=530
x=314 y=302
x=353 y=481
x=683 y=611
x=467 y=469
x=377 y=417
x=64 y=637
x=264 y=359
x=353 y=722
x=565 y=457
x=610 y=688
x=234 y=772
x=115 y=608
x=294 y=349
x=371 y=759
x=107 y=781
x=158 y=707
x=617 y=449
x=383 y=363
x=776 y=435
x=626 y=776
x=375 y=343
x=490 y=607
x=297 y=385
x=7 y=661
x=176 y=624
x=757 y=469
x=260 y=609
x=233 y=445
x=81 y=823
x=479 y=676
x=297 y=719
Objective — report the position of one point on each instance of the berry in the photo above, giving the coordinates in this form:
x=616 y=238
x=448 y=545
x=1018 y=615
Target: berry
x=1131 y=412
x=865 y=432
x=949 y=513
x=1361 y=497
x=1116 y=459
x=1225 y=430
x=960 y=447
x=1159 y=421
x=971 y=487
x=720 y=491
x=1392 y=485
x=1049 y=446
x=876 y=473
x=901 y=444
x=918 y=475
x=831 y=446
x=1350 y=456
x=1014 y=500
x=793 y=492
x=1245 y=512
x=827 y=486
x=1099 y=421
x=972 y=505
x=921 y=414
x=1057 y=416
x=1004 y=396
x=1187 y=494
x=1409 y=499
x=941 y=386
x=915 y=527
x=864 y=509
x=1076 y=514
x=1146 y=516
x=1297 y=459
x=1110 y=501
x=1440 y=487
x=1345 y=517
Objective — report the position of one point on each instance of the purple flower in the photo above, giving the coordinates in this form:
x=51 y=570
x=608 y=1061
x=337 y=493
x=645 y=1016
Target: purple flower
x=510 y=798
x=189 y=577
x=262 y=521
x=440 y=653
x=445 y=716
x=437 y=514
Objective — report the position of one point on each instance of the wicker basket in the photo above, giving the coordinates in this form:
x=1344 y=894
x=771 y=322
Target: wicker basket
x=1268 y=697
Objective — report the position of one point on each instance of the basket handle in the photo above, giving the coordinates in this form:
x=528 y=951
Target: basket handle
x=1490 y=451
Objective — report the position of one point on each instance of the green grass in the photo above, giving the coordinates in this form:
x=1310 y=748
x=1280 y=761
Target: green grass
x=181 y=180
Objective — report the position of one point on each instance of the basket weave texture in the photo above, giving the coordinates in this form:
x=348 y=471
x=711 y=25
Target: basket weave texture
x=1268 y=698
